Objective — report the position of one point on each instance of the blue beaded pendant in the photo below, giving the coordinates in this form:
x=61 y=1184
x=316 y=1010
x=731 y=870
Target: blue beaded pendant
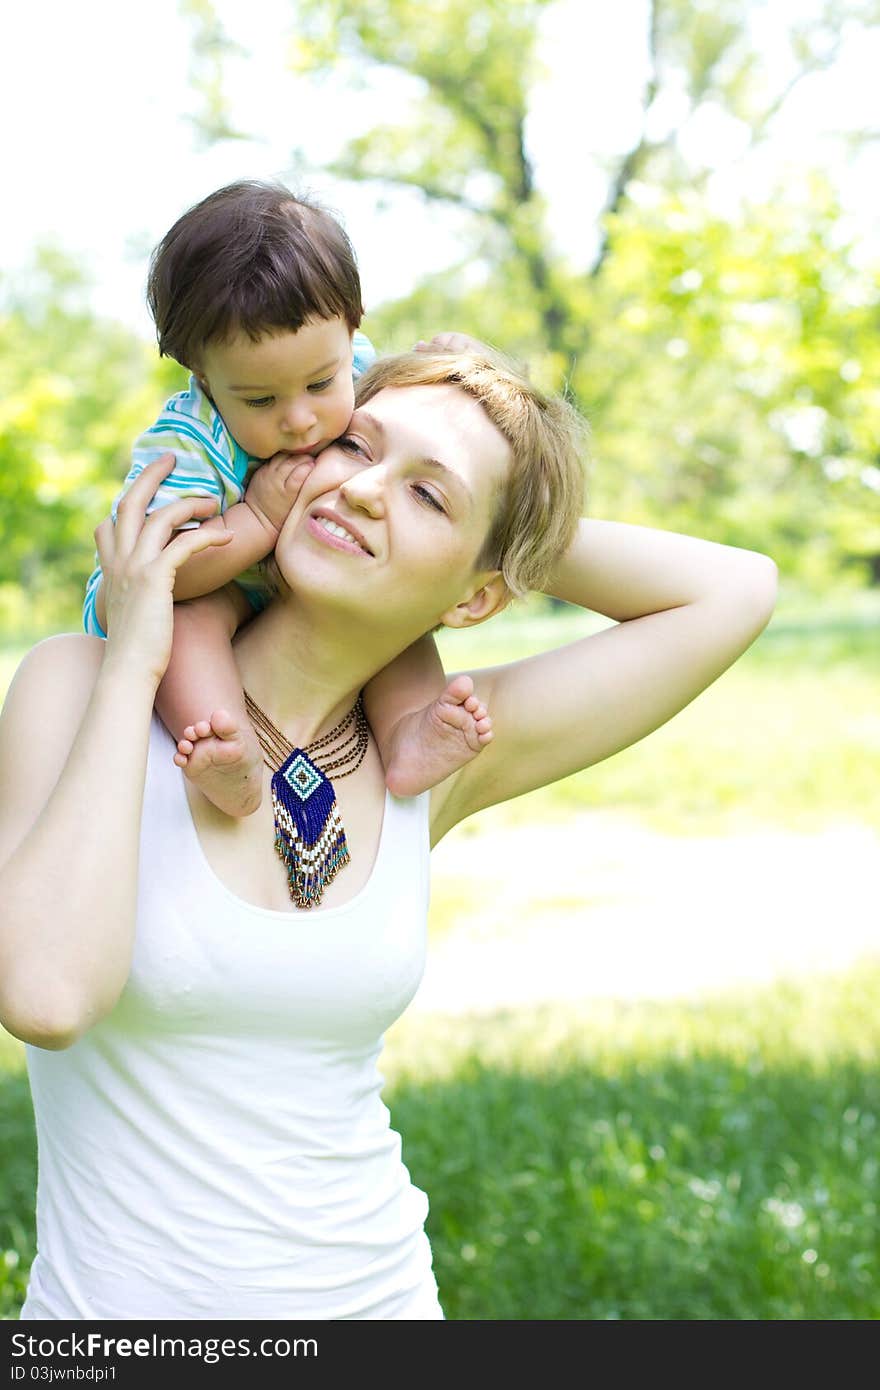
x=309 y=836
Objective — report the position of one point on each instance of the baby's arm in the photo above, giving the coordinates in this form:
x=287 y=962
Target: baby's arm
x=425 y=727
x=254 y=524
x=220 y=752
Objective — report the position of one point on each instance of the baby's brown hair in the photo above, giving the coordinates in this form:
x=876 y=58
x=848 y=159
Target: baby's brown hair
x=250 y=258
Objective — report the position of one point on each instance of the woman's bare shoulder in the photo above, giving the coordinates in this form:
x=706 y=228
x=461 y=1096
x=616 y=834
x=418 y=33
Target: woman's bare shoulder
x=53 y=681
x=71 y=647
x=42 y=712
x=71 y=657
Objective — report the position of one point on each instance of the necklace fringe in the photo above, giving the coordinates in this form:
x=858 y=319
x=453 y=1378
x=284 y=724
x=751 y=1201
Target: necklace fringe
x=309 y=834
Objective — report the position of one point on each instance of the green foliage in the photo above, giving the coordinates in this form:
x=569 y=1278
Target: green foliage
x=74 y=392
x=18 y=1177
x=461 y=139
x=209 y=49
x=727 y=367
x=729 y=374
x=726 y=362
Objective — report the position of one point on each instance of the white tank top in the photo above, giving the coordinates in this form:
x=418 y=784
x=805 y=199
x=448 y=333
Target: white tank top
x=217 y=1147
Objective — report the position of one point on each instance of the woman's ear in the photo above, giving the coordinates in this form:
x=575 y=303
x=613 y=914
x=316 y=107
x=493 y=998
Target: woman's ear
x=485 y=602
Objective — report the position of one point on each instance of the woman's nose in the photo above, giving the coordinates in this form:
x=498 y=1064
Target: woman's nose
x=365 y=489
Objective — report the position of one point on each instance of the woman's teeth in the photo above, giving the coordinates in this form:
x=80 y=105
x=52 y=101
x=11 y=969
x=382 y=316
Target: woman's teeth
x=336 y=530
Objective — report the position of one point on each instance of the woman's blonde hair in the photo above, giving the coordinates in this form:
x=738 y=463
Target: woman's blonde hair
x=537 y=510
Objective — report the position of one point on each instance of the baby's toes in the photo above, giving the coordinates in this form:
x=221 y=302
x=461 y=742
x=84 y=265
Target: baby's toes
x=185 y=744
x=202 y=729
x=223 y=724
x=460 y=689
x=448 y=711
x=456 y=717
x=483 y=726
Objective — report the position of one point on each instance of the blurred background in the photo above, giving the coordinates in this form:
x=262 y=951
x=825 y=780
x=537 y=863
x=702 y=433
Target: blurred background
x=655 y=1054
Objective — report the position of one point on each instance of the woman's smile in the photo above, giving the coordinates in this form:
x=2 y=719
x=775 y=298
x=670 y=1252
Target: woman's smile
x=330 y=529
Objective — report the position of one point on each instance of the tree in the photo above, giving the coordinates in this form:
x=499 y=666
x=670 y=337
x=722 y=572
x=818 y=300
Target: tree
x=724 y=359
x=463 y=141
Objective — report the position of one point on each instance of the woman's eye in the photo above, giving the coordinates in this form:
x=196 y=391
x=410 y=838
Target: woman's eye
x=424 y=495
x=351 y=446
x=322 y=385
x=264 y=400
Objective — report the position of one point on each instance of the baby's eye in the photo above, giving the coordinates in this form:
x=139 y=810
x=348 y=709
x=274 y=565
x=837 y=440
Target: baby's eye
x=428 y=498
x=263 y=400
x=322 y=385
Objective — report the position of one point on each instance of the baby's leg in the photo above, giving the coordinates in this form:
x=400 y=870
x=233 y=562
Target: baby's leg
x=426 y=727
x=220 y=754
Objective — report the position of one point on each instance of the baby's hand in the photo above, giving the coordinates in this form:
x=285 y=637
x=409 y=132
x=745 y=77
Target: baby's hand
x=450 y=342
x=275 y=486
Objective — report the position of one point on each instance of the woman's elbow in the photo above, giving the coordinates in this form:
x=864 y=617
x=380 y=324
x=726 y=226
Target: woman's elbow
x=53 y=1020
x=764 y=588
x=753 y=585
x=49 y=1033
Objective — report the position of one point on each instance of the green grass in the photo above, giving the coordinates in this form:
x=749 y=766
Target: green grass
x=670 y=1161
x=18 y=1173
x=655 y=1161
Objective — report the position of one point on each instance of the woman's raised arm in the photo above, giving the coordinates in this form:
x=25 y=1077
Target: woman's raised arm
x=74 y=735
x=685 y=609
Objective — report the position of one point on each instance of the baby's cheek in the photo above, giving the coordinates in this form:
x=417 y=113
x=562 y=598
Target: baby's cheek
x=340 y=411
x=248 y=434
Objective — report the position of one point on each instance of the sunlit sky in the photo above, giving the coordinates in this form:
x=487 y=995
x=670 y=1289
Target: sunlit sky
x=100 y=155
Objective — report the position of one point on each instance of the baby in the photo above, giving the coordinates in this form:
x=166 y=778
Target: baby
x=257 y=293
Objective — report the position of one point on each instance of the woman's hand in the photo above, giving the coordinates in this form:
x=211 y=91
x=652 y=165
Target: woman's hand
x=450 y=342
x=140 y=557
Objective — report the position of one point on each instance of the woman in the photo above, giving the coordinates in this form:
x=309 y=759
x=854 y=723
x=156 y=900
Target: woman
x=212 y=1139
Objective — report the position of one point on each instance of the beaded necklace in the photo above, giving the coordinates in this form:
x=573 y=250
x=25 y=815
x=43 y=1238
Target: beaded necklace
x=309 y=835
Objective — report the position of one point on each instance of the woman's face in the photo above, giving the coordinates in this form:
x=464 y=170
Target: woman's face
x=394 y=515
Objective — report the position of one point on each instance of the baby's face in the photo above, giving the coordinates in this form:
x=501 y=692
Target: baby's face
x=289 y=391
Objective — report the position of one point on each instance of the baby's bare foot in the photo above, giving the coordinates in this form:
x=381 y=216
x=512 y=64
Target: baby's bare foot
x=434 y=742
x=222 y=757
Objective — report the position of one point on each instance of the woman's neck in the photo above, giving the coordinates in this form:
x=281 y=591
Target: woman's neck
x=305 y=675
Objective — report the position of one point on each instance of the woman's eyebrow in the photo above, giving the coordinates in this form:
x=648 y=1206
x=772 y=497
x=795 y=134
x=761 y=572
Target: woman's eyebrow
x=435 y=466
x=432 y=464
x=364 y=417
